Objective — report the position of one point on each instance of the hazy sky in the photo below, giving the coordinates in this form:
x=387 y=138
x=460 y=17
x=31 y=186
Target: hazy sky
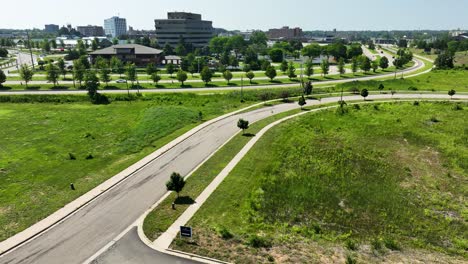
x=245 y=14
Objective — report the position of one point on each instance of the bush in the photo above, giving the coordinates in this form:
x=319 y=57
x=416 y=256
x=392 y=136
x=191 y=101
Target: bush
x=258 y=242
x=89 y=157
x=224 y=233
x=351 y=244
x=357 y=107
x=412 y=88
x=391 y=244
x=457 y=107
x=350 y=260
x=416 y=103
x=434 y=120
x=72 y=156
x=376 y=244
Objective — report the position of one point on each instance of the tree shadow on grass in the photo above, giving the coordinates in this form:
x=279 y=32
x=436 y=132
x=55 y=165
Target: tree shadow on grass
x=248 y=135
x=111 y=87
x=33 y=88
x=58 y=87
x=5 y=88
x=275 y=81
x=184 y=200
x=209 y=85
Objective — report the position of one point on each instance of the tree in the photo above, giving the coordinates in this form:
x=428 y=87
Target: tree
x=155 y=78
x=131 y=73
x=52 y=73
x=78 y=71
x=80 y=46
x=271 y=73
x=176 y=183
x=46 y=45
x=170 y=68
x=375 y=65
x=181 y=76
x=291 y=71
x=250 y=75
x=444 y=61
x=259 y=38
x=354 y=50
x=308 y=88
x=402 y=43
x=341 y=66
x=243 y=124
x=383 y=63
x=168 y=50
x=354 y=65
x=206 y=74
x=365 y=64
x=104 y=71
x=364 y=93
x=150 y=69
x=276 y=55
x=452 y=93
x=61 y=66
x=325 y=66
x=284 y=66
x=309 y=68
x=91 y=83
x=2 y=78
x=26 y=73
x=227 y=76
x=312 y=50
x=94 y=44
x=302 y=101
x=381 y=87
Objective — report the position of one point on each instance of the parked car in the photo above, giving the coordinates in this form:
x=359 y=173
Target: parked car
x=121 y=81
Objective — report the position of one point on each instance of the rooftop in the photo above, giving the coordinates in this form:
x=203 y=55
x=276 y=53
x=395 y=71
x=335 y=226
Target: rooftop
x=139 y=49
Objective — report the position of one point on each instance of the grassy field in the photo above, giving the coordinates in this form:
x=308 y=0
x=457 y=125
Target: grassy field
x=421 y=52
x=53 y=141
x=437 y=80
x=378 y=183
x=461 y=58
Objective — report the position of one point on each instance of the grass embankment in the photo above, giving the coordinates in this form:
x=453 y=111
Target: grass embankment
x=48 y=142
x=325 y=186
x=436 y=80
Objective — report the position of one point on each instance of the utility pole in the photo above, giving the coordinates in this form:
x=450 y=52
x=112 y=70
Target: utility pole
x=242 y=88
x=30 y=50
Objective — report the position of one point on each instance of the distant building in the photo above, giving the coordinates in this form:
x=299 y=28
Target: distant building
x=115 y=26
x=138 y=54
x=190 y=27
x=91 y=31
x=285 y=33
x=51 y=28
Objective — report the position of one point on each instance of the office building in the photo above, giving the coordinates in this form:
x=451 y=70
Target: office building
x=51 y=28
x=115 y=26
x=133 y=53
x=90 y=31
x=285 y=33
x=190 y=27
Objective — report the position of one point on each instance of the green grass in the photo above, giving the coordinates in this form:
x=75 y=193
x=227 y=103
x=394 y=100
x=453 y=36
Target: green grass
x=421 y=53
x=393 y=173
x=436 y=80
x=461 y=58
x=39 y=133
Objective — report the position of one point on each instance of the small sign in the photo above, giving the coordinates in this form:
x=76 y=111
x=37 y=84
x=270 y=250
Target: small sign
x=185 y=231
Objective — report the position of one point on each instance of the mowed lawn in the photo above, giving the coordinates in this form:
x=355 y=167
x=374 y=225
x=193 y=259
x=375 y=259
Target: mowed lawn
x=44 y=147
x=390 y=177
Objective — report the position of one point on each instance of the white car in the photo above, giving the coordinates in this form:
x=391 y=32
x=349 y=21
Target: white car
x=121 y=81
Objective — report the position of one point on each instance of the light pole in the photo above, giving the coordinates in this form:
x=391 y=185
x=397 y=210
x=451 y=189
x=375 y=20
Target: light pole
x=242 y=88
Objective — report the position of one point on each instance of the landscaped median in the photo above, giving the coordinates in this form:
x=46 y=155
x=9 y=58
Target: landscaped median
x=232 y=230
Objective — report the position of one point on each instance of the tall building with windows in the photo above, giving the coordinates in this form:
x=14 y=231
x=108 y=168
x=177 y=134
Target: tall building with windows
x=187 y=26
x=51 y=28
x=115 y=26
x=90 y=31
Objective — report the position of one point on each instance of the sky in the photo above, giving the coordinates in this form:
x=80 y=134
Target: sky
x=246 y=14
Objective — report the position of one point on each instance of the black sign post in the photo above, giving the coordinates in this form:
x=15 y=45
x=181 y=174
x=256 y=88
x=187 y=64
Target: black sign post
x=185 y=231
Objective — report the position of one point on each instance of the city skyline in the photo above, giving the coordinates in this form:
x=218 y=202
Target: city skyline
x=246 y=15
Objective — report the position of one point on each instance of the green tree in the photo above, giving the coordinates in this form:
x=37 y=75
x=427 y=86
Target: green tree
x=284 y=66
x=78 y=71
x=155 y=78
x=26 y=73
x=291 y=71
x=354 y=65
x=62 y=68
x=168 y=50
x=243 y=124
x=308 y=88
x=104 y=71
x=181 y=76
x=150 y=69
x=91 y=83
x=364 y=93
x=375 y=65
x=312 y=50
x=131 y=73
x=52 y=73
x=81 y=48
x=325 y=66
x=452 y=93
x=365 y=64
x=444 y=61
x=271 y=73
x=2 y=78
x=309 y=68
x=170 y=68
x=381 y=87
x=94 y=44
x=341 y=66
x=176 y=183
x=302 y=101
x=206 y=74
x=383 y=63
x=227 y=75
x=46 y=45
x=250 y=75
x=276 y=55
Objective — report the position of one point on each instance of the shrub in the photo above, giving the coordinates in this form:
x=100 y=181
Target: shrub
x=412 y=88
x=457 y=107
x=351 y=244
x=376 y=244
x=434 y=120
x=224 y=233
x=89 y=157
x=72 y=156
x=391 y=244
x=416 y=103
x=258 y=242
x=357 y=107
x=350 y=260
